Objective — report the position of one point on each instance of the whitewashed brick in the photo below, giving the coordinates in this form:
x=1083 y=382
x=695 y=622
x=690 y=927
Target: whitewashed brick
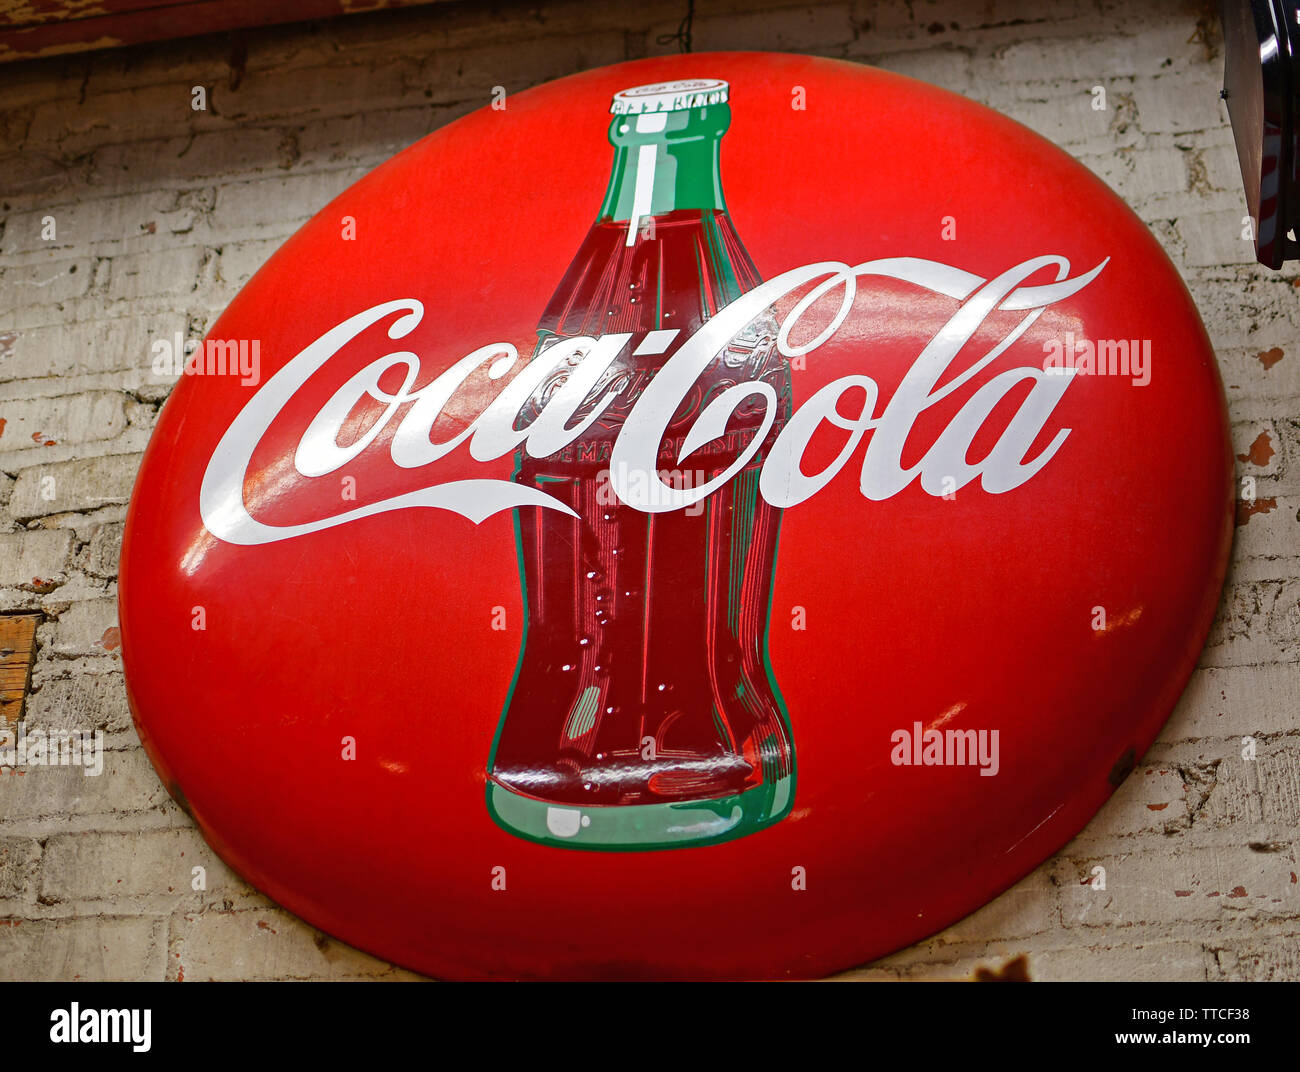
x=72 y=418
x=73 y=485
x=171 y=271
x=37 y=559
x=19 y=861
x=264 y=944
x=1174 y=104
x=96 y=949
x=87 y=628
x=1260 y=959
x=61 y=349
x=87 y=225
x=47 y=282
x=155 y=863
x=80 y=702
x=128 y=783
x=104 y=550
x=1213 y=238
x=1234 y=701
x=1151 y=886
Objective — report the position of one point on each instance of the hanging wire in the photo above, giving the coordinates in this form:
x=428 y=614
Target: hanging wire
x=683 y=33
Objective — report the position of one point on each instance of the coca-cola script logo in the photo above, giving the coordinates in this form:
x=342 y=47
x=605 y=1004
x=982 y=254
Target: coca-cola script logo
x=634 y=462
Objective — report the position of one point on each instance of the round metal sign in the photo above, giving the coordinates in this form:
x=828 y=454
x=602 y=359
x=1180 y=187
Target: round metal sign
x=715 y=516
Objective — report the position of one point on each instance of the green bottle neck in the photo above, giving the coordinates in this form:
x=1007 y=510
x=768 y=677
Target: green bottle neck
x=665 y=162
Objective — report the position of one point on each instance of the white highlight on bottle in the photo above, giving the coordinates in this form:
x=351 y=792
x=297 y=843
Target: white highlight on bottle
x=643 y=195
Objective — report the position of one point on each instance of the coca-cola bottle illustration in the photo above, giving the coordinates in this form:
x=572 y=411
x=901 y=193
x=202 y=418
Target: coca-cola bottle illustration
x=644 y=712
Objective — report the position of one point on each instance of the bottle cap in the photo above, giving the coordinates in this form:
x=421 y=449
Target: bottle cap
x=670 y=96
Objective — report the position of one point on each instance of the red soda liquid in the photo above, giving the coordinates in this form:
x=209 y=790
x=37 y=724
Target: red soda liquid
x=643 y=677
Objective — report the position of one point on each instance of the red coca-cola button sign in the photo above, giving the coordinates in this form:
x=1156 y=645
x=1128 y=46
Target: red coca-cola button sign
x=721 y=515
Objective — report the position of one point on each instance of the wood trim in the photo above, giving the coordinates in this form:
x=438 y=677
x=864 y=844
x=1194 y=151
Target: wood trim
x=17 y=651
x=31 y=29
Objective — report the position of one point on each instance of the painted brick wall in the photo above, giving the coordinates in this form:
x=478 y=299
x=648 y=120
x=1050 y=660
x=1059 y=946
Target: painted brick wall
x=163 y=213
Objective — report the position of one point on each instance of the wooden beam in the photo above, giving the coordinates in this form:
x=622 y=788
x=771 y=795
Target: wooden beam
x=31 y=29
x=17 y=650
